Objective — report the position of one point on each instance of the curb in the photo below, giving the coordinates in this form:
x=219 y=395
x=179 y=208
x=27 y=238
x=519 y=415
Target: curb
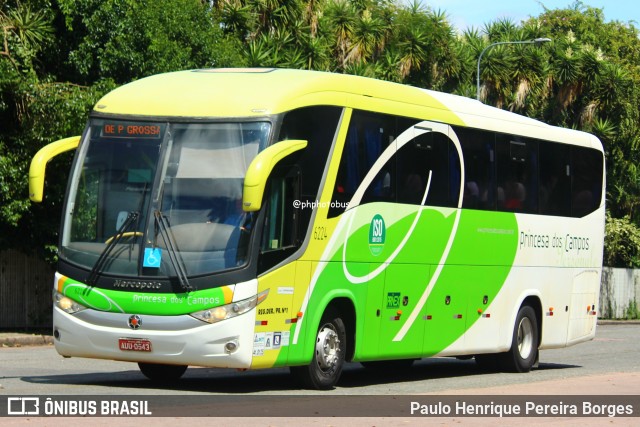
x=619 y=322
x=22 y=340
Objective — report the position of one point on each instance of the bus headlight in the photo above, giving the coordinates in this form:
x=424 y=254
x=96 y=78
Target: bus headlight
x=66 y=304
x=216 y=314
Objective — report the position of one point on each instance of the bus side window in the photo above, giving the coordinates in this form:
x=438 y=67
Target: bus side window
x=280 y=226
x=555 y=179
x=586 y=182
x=369 y=135
x=429 y=154
x=517 y=174
x=279 y=232
x=318 y=126
x=478 y=148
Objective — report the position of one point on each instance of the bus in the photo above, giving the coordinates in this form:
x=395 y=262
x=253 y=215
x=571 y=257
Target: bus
x=259 y=218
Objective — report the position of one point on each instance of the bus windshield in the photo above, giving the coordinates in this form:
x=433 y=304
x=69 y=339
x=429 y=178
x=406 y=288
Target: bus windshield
x=130 y=175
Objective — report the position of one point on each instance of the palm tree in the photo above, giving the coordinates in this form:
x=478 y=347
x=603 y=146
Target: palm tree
x=31 y=30
x=342 y=19
x=236 y=17
x=412 y=39
x=311 y=15
x=315 y=50
x=413 y=51
x=495 y=73
x=390 y=66
x=566 y=67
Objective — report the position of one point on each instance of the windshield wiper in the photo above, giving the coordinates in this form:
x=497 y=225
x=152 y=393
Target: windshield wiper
x=111 y=243
x=162 y=224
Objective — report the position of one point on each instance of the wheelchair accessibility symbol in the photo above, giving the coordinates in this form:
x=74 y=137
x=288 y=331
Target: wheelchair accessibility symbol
x=152 y=257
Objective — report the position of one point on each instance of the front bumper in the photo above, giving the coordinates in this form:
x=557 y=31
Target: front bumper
x=179 y=340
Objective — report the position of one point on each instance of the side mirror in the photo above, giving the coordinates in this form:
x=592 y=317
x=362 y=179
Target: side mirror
x=260 y=168
x=39 y=164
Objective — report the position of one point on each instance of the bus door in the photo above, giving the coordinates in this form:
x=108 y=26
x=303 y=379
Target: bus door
x=369 y=338
x=404 y=285
x=483 y=283
x=445 y=311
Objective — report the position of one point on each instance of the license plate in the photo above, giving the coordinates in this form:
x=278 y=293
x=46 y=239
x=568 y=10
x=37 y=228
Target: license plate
x=133 y=344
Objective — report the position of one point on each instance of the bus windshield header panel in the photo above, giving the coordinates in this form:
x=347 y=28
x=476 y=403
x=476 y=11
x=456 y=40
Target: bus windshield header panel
x=131 y=130
x=129 y=176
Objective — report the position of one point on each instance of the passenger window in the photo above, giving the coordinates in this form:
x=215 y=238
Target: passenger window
x=368 y=136
x=318 y=126
x=555 y=179
x=429 y=154
x=517 y=174
x=280 y=226
x=478 y=148
x=586 y=185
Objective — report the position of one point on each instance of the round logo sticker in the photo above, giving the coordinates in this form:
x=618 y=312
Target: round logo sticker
x=377 y=234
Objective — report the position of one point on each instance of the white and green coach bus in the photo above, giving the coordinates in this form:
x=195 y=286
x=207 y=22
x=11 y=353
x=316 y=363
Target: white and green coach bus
x=257 y=218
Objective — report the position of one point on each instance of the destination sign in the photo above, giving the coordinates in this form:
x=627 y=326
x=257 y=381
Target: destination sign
x=131 y=130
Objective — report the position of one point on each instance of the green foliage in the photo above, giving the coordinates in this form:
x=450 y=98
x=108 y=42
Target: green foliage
x=125 y=39
x=621 y=243
x=632 y=311
x=57 y=57
x=50 y=111
x=44 y=97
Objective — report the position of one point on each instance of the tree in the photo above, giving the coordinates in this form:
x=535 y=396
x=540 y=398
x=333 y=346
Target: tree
x=622 y=243
x=57 y=57
x=44 y=97
x=126 y=39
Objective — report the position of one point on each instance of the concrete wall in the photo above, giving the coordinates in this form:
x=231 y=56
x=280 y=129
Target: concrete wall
x=619 y=293
x=26 y=282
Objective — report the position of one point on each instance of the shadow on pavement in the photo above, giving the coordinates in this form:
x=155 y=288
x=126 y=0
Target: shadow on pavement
x=228 y=381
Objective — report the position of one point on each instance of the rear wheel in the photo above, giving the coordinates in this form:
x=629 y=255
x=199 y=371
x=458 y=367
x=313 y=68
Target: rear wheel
x=328 y=358
x=524 y=344
x=162 y=373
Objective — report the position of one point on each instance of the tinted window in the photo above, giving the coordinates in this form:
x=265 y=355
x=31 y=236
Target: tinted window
x=318 y=126
x=368 y=136
x=555 y=179
x=517 y=174
x=478 y=149
x=586 y=184
x=429 y=154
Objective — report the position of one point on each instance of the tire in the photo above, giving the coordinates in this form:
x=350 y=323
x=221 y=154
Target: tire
x=523 y=353
x=162 y=373
x=329 y=353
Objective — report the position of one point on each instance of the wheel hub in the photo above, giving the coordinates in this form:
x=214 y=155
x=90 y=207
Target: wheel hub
x=525 y=338
x=327 y=347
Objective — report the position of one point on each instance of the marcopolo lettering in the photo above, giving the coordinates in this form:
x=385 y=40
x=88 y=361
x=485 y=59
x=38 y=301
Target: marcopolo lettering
x=136 y=284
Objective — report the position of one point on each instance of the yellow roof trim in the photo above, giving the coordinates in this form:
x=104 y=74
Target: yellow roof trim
x=259 y=92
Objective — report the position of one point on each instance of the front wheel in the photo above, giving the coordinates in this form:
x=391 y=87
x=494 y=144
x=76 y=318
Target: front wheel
x=328 y=358
x=524 y=345
x=162 y=373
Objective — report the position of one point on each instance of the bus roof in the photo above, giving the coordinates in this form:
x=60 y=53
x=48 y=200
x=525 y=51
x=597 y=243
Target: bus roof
x=258 y=92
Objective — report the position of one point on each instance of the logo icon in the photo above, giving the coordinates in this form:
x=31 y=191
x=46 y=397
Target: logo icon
x=152 y=258
x=393 y=300
x=135 y=321
x=23 y=406
x=377 y=235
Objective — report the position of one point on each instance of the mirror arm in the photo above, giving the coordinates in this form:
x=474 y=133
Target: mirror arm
x=260 y=168
x=39 y=164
